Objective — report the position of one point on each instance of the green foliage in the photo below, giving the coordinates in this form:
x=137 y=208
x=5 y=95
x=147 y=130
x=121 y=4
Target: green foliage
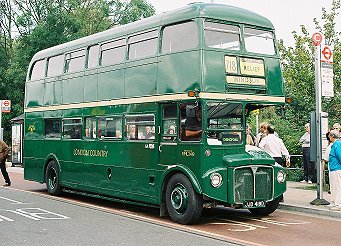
x=299 y=75
x=42 y=24
x=295 y=175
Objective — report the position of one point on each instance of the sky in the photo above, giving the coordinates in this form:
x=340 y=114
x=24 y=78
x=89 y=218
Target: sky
x=286 y=15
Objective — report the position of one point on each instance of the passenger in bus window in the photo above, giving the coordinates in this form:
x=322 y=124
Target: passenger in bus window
x=94 y=133
x=76 y=132
x=132 y=132
x=171 y=130
x=193 y=125
x=87 y=133
x=141 y=135
x=118 y=134
x=149 y=133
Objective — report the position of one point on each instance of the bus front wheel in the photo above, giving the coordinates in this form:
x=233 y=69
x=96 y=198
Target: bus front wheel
x=269 y=208
x=184 y=205
x=52 y=178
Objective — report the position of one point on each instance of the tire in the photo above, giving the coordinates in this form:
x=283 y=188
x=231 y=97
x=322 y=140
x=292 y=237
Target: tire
x=183 y=204
x=52 y=178
x=269 y=208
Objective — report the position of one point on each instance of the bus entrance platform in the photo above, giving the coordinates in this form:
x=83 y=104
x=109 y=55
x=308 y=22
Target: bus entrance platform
x=297 y=197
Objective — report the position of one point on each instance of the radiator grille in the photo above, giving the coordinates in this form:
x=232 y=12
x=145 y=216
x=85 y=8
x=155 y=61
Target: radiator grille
x=253 y=183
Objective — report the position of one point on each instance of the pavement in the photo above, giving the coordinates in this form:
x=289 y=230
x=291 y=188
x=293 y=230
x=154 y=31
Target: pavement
x=298 y=197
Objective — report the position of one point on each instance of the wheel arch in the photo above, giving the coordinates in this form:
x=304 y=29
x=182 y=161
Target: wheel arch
x=50 y=157
x=171 y=171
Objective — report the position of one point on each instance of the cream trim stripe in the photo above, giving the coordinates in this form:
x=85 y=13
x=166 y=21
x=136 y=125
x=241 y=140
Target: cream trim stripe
x=203 y=95
x=243 y=97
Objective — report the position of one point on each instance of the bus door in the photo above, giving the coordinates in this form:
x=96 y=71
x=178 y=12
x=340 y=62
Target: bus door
x=140 y=153
x=168 y=135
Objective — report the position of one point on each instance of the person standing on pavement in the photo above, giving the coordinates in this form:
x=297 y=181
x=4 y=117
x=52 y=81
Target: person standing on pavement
x=307 y=164
x=262 y=133
x=337 y=126
x=335 y=169
x=250 y=139
x=325 y=157
x=4 y=151
x=275 y=147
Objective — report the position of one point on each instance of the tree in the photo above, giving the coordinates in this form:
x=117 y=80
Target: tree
x=41 y=24
x=299 y=74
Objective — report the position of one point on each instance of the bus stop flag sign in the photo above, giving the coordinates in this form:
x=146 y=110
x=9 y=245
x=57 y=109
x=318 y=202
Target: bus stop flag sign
x=6 y=106
x=327 y=71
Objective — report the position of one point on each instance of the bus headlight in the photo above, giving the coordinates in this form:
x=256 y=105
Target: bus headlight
x=216 y=180
x=281 y=177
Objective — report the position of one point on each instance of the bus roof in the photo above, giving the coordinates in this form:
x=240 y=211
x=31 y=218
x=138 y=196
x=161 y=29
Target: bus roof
x=193 y=10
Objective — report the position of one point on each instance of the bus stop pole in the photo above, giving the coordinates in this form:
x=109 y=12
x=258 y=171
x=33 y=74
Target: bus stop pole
x=318 y=84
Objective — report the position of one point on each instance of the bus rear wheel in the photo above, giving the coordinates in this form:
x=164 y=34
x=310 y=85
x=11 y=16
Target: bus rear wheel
x=184 y=205
x=52 y=178
x=269 y=208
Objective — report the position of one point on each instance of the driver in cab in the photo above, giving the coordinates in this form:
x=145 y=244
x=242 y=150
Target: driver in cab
x=193 y=124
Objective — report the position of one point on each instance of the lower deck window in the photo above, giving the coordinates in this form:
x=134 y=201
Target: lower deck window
x=53 y=128
x=110 y=127
x=72 y=128
x=140 y=127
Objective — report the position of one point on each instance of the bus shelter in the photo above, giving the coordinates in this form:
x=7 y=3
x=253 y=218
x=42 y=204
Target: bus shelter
x=17 y=140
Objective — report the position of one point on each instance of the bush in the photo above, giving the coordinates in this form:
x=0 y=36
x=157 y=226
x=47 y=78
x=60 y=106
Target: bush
x=295 y=174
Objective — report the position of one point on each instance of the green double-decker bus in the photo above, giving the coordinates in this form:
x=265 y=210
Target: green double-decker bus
x=153 y=113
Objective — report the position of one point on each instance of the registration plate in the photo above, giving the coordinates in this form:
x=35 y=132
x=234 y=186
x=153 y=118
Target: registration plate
x=254 y=204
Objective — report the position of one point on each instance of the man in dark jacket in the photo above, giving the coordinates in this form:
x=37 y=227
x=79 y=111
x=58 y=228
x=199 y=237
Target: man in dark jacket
x=4 y=150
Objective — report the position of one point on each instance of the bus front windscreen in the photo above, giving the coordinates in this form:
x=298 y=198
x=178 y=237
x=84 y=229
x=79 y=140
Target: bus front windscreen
x=225 y=123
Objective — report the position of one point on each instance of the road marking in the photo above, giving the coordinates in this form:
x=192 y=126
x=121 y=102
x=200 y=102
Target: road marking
x=22 y=214
x=34 y=214
x=271 y=221
x=37 y=212
x=249 y=227
x=2 y=218
x=13 y=201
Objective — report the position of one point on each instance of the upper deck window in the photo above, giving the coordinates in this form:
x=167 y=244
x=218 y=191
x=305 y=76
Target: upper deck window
x=143 y=45
x=93 y=52
x=259 y=41
x=222 y=36
x=75 y=61
x=55 y=65
x=179 y=37
x=113 y=52
x=38 y=70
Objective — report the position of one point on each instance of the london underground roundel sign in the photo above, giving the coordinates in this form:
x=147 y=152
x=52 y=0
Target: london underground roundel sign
x=6 y=106
x=317 y=38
